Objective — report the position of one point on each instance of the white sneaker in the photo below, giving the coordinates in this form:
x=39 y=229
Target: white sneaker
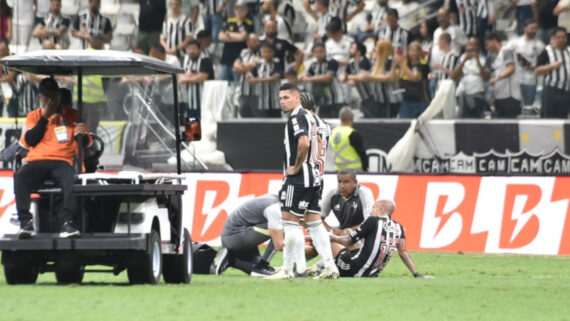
x=329 y=272
x=283 y=274
x=315 y=269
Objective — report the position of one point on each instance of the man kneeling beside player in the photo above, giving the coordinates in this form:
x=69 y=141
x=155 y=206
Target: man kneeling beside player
x=381 y=237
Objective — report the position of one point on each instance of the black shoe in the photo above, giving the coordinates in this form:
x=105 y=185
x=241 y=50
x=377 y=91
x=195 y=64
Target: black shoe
x=68 y=229
x=221 y=262
x=262 y=271
x=26 y=230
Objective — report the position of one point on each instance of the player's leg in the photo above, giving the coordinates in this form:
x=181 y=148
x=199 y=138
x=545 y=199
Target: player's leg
x=240 y=250
x=319 y=235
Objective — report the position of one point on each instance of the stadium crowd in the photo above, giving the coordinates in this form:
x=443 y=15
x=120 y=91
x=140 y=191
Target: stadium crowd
x=385 y=65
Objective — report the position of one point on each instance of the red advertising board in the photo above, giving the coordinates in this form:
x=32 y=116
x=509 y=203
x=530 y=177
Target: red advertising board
x=523 y=215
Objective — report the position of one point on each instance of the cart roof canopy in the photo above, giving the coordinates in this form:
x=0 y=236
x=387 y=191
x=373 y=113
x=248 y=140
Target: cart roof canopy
x=91 y=62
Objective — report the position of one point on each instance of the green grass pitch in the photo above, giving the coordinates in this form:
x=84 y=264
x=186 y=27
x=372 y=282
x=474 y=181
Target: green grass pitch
x=466 y=287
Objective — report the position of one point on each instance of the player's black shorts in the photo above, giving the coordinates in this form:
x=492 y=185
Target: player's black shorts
x=345 y=264
x=298 y=200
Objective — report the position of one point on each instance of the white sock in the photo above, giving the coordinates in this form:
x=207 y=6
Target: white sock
x=289 y=240
x=321 y=241
x=299 y=252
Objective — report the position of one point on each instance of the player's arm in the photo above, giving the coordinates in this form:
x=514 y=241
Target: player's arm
x=275 y=225
x=405 y=256
x=343 y=240
x=302 y=151
x=357 y=10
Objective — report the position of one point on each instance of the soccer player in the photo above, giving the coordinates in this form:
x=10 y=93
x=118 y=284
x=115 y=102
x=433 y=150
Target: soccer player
x=300 y=192
x=251 y=224
x=381 y=237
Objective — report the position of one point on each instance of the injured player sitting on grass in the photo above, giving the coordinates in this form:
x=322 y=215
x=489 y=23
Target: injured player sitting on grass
x=381 y=237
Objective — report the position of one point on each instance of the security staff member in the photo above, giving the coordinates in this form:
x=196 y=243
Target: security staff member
x=347 y=144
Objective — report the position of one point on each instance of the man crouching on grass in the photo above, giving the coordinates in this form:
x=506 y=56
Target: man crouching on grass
x=381 y=237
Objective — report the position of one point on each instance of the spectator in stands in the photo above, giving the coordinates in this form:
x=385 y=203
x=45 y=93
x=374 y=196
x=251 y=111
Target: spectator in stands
x=212 y=17
x=92 y=24
x=197 y=71
x=392 y=31
x=42 y=8
x=247 y=60
x=467 y=14
x=445 y=67
x=414 y=72
x=22 y=21
x=53 y=26
x=562 y=11
x=358 y=66
x=287 y=11
x=553 y=64
x=526 y=50
x=5 y=21
x=291 y=77
x=151 y=19
x=285 y=51
x=547 y=21
x=472 y=73
x=322 y=16
x=205 y=38
x=265 y=79
x=524 y=12
x=458 y=40
x=486 y=16
x=506 y=91
x=234 y=35
x=374 y=20
x=409 y=13
x=8 y=77
x=321 y=76
x=425 y=37
x=338 y=44
x=269 y=9
x=339 y=8
x=176 y=31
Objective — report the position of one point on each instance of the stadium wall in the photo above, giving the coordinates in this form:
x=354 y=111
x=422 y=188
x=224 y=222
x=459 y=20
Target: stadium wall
x=522 y=215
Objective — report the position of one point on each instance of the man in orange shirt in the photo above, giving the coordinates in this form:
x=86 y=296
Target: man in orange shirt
x=49 y=137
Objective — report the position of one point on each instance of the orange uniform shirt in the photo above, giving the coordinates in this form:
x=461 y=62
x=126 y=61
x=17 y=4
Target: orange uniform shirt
x=50 y=148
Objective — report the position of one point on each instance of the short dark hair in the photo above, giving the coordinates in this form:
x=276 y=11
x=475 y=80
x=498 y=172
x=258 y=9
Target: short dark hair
x=158 y=48
x=317 y=45
x=324 y=2
x=493 y=36
x=348 y=171
x=205 y=33
x=194 y=42
x=48 y=86
x=557 y=30
x=360 y=47
x=392 y=12
x=529 y=21
x=289 y=87
x=334 y=25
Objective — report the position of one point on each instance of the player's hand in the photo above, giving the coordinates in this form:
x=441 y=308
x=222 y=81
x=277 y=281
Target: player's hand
x=291 y=170
x=81 y=128
x=50 y=107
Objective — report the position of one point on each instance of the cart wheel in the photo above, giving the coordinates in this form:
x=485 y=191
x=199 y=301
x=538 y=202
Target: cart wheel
x=67 y=274
x=18 y=269
x=178 y=268
x=148 y=267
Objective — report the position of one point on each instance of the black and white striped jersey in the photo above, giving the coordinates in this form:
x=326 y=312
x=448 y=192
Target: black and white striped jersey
x=557 y=78
x=300 y=123
x=377 y=16
x=485 y=8
x=246 y=56
x=467 y=11
x=210 y=6
x=322 y=22
x=320 y=143
x=326 y=93
x=94 y=26
x=268 y=92
x=381 y=237
x=339 y=8
x=355 y=68
x=54 y=23
x=400 y=37
x=175 y=30
x=200 y=65
x=449 y=61
x=287 y=10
